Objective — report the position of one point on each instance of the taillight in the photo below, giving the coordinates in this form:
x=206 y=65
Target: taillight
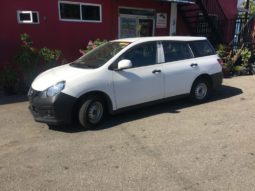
x=220 y=61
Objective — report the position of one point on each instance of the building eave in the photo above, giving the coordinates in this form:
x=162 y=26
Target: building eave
x=179 y=1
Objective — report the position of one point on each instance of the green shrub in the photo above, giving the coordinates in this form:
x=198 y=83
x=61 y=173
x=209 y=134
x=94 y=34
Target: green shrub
x=246 y=55
x=221 y=50
x=92 y=45
x=49 y=55
x=239 y=68
x=31 y=61
x=8 y=78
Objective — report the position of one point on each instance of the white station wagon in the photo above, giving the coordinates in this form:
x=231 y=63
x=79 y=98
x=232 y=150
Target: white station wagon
x=125 y=73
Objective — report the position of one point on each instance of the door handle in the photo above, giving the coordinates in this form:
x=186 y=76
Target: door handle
x=156 y=71
x=193 y=65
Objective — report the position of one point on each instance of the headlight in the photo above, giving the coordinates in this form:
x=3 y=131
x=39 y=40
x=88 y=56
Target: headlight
x=56 y=89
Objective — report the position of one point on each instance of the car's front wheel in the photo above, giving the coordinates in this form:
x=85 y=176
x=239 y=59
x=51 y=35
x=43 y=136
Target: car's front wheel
x=200 y=90
x=91 y=112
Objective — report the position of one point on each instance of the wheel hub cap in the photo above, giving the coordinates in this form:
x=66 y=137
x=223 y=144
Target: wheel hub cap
x=201 y=91
x=95 y=112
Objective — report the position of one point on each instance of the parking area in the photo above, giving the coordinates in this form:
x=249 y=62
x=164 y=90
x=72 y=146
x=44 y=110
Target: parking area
x=171 y=146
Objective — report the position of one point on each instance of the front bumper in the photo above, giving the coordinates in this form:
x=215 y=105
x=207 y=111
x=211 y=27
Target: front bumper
x=54 y=110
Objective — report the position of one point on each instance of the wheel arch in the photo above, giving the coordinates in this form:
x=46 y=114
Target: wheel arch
x=203 y=76
x=79 y=101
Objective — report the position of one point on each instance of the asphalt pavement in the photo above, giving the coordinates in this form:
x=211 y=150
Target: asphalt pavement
x=173 y=146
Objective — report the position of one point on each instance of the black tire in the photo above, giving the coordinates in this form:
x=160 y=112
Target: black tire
x=200 y=91
x=91 y=112
x=53 y=126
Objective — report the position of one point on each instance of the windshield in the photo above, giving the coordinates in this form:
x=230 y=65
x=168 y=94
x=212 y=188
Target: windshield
x=99 y=56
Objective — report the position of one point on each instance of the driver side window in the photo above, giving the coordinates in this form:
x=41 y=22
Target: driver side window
x=142 y=55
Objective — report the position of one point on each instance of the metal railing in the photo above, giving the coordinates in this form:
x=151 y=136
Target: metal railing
x=215 y=17
x=244 y=32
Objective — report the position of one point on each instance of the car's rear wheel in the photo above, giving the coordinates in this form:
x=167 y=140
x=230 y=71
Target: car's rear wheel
x=200 y=90
x=91 y=112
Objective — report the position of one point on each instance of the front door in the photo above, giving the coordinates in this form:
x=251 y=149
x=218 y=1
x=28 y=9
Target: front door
x=145 y=27
x=136 y=22
x=144 y=81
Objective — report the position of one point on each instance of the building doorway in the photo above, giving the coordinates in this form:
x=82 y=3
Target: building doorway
x=146 y=27
x=136 y=23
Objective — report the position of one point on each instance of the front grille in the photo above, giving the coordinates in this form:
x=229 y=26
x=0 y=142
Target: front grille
x=35 y=109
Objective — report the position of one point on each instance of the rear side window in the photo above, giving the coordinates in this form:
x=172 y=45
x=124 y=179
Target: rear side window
x=175 y=51
x=202 y=48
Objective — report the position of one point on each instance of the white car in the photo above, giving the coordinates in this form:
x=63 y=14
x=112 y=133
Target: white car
x=124 y=73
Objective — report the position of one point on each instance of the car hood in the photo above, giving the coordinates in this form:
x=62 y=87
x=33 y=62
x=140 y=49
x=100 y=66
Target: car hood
x=57 y=74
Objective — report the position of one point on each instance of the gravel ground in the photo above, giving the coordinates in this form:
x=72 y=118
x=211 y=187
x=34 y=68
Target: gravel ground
x=172 y=146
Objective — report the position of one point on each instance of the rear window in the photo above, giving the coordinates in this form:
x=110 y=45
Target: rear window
x=202 y=48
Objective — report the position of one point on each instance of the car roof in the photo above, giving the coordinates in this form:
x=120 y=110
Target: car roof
x=173 y=38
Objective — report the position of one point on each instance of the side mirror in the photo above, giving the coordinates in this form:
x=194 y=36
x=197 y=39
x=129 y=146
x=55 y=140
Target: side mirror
x=124 y=64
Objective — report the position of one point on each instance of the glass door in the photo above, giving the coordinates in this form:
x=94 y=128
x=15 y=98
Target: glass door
x=127 y=27
x=135 y=26
x=145 y=27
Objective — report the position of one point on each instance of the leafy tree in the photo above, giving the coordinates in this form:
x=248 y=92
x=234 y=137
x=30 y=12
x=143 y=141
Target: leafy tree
x=251 y=7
